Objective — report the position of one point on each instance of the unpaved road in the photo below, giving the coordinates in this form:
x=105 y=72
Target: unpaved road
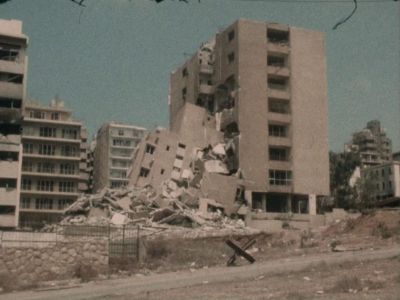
x=135 y=285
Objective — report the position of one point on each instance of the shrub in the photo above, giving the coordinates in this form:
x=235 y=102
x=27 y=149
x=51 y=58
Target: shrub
x=85 y=272
x=347 y=283
x=382 y=230
x=157 y=248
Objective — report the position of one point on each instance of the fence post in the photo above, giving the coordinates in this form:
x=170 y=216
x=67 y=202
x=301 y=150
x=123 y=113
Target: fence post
x=137 y=244
x=123 y=242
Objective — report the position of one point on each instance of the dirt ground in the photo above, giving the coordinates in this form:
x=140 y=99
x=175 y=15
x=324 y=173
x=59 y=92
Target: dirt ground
x=378 y=279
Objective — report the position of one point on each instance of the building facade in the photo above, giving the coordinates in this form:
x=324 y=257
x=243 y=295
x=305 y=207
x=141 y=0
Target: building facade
x=54 y=168
x=265 y=85
x=113 y=154
x=372 y=145
x=385 y=181
x=13 y=66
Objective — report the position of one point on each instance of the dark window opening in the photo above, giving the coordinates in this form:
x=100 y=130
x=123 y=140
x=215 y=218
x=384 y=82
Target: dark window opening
x=144 y=172
x=8 y=155
x=278 y=106
x=278 y=83
x=162 y=171
x=6 y=129
x=10 y=103
x=276 y=61
x=277 y=130
x=185 y=72
x=300 y=204
x=231 y=57
x=167 y=148
x=184 y=92
x=280 y=154
x=7 y=210
x=231 y=35
x=9 y=52
x=180 y=157
x=278 y=36
x=277 y=202
x=11 y=77
x=180 y=145
x=8 y=183
x=150 y=149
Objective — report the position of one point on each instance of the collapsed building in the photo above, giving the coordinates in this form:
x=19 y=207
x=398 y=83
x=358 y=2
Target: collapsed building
x=13 y=66
x=248 y=124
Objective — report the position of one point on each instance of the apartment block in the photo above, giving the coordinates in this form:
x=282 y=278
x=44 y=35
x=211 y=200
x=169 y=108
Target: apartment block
x=372 y=144
x=385 y=179
x=54 y=167
x=265 y=85
x=13 y=66
x=113 y=154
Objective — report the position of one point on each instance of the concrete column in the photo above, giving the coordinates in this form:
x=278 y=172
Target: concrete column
x=289 y=203
x=312 y=204
x=264 y=201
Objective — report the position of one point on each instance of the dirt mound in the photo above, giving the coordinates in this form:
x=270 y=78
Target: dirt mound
x=379 y=222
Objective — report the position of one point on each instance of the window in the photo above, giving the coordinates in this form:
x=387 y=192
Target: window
x=9 y=52
x=26 y=184
x=184 y=92
x=390 y=184
x=11 y=77
x=28 y=148
x=45 y=185
x=390 y=171
x=185 y=72
x=278 y=36
x=69 y=133
x=231 y=57
x=55 y=116
x=35 y=114
x=8 y=156
x=277 y=130
x=121 y=132
x=8 y=183
x=144 y=172
x=43 y=203
x=383 y=172
x=46 y=149
x=276 y=61
x=277 y=83
x=66 y=186
x=281 y=154
x=121 y=143
x=280 y=177
x=10 y=102
x=180 y=145
x=162 y=171
x=150 y=149
x=26 y=202
x=67 y=168
x=231 y=35
x=278 y=106
x=45 y=167
x=68 y=150
x=167 y=148
x=47 y=132
x=64 y=203
x=179 y=157
x=27 y=166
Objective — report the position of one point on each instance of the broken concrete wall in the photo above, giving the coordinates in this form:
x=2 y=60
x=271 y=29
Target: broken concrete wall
x=220 y=188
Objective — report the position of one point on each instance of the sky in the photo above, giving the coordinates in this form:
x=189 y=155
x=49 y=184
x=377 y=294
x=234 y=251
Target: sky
x=112 y=59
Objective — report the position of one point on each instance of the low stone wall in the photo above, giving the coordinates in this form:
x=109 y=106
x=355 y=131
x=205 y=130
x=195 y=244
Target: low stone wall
x=62 y=260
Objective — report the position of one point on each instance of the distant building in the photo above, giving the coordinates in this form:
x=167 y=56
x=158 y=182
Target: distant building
x=13 y=66
x=372 y=145
x=113 y=154
x=54 y=168
x=385 y=179
x=265 y=86
x=396 y=156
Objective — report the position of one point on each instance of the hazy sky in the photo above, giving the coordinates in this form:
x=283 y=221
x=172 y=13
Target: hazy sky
x=111 y=60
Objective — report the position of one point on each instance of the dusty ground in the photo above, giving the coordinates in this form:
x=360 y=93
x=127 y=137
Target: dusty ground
x=378 y=279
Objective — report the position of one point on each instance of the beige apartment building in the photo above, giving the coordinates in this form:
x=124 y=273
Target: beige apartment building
x=13 y=66
x=372 y=145
x=54 y=168
x=113 y=153
x=265 y=85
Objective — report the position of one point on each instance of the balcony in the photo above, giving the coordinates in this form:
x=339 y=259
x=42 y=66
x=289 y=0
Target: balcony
x=49 y=139
x=12 y=67
x=9 y=168
x=52 y=175
x=9 y=196
x=279 y=94
x=281 y=48
x=279 y=141
x=278 y=70
x=10 y=115
x=280 y=118
x=206 y=89
x=52 y=157
x=11 y=90
x=206 y=69
x=55 y=122
x=49 y=193
x=8 y=220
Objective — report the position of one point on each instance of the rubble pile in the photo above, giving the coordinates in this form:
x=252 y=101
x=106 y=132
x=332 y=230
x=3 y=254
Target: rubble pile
x=169 y=205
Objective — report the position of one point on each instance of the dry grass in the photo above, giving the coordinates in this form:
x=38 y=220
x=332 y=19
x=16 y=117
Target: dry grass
x=382 y=231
